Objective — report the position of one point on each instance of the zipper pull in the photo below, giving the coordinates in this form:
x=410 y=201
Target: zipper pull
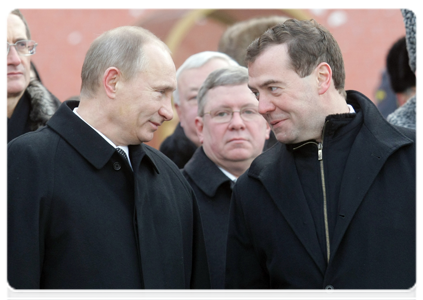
x=320 y=151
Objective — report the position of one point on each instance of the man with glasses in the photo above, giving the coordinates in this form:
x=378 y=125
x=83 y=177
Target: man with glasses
x=29 y=104
x=232 y=133
x=182 y=143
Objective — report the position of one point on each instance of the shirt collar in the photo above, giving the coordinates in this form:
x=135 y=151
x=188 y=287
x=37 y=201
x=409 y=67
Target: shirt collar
x=231 y=177
x=124 y=148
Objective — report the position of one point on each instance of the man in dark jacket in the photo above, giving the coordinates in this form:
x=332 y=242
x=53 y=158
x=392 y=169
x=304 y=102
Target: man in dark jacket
x=232 y=134
x=181 y=145
x=333 y=204
x=29 y=104
x=89 y=205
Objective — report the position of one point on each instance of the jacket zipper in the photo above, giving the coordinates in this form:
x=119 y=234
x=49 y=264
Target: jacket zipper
x=325 y=205
x=322 y=175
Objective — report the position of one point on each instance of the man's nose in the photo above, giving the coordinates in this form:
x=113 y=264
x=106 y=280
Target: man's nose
x=265 y=105
x=166 y=110
x=13 y=57
x=236 y=122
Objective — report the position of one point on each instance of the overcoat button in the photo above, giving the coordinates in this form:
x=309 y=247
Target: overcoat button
x=329 y=289
x=116 y=166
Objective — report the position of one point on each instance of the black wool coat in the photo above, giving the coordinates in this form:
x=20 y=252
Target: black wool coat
x=272 y=240
x=79 y=218
x=178 y=147
x=213 y=192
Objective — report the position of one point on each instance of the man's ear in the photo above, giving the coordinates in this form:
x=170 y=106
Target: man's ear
x=199 y=125
x=324 y=77
x=111 y=78
x=267 y=134
x=177 y=108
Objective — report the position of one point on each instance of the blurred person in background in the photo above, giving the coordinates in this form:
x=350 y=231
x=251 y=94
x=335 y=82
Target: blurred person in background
x=402 y=78
x=29 y=104
x=232 y=133
x=182 y=143
x=386 y=100
x=398 y=80
x=235 y=40
x=406 y=114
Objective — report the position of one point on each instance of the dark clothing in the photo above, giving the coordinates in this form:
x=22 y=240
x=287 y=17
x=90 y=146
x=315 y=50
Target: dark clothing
x=79 y=218
x=339 y=134
x=277 y=230
x=213 y=191
x=32 y=111
x=178 y=147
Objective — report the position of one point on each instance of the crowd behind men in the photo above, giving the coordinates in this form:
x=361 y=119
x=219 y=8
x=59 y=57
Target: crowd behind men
x=330 y=205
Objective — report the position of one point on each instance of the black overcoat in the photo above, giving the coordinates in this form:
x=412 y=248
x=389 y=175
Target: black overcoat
x=213 y=190
x=272 y=241
x=79 y=218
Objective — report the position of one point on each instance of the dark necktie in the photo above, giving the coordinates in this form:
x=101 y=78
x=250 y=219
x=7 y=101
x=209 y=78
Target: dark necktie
x=232 y=184
x=121 y=152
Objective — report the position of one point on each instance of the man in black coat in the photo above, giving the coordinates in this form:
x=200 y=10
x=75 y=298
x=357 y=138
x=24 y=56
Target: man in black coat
x=232 y=134
x=89 y=205
x=333 y=204
x=29 y=104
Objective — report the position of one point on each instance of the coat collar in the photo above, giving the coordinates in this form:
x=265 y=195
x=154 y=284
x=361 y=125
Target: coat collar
x=205 y=173
x=89 y=143
x=276 y=169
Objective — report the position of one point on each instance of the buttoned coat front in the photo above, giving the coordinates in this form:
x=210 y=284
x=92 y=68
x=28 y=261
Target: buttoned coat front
x=79 y=218
x=272 y=241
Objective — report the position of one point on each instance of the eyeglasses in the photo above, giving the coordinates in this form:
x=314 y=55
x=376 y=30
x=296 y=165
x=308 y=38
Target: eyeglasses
x=23 y=47
x=225 y=115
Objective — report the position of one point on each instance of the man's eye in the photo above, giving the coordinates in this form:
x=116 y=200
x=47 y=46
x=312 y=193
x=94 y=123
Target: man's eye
x=256 y=94
x=273 y=88
x=21 y=44
x=221 y=114
x=249 y=112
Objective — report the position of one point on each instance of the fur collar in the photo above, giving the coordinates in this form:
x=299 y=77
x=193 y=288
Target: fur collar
x=43 y=105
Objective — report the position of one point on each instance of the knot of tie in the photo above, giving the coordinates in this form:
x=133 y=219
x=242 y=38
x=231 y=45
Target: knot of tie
x=121 y=152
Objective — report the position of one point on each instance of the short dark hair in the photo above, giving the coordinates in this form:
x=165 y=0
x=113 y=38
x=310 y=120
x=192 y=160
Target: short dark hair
x=400 y=73
x=309 y=44
x=18 y=13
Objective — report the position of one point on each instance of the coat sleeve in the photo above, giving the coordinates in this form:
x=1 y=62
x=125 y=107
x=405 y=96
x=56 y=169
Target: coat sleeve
x=200 y=271
x=243 y=265
x=25 y=214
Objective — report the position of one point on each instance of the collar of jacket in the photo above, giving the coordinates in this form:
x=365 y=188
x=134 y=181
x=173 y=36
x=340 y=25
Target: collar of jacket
x=89 y=143
x=205 y=173
x=387 y=136
x=43 y=106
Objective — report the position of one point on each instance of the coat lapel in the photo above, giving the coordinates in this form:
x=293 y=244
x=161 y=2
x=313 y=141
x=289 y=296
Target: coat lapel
x=279 y=176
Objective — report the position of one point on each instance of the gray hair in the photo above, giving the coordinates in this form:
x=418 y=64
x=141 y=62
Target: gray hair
x=233 y=75
x=121 y=48
x=198 y=60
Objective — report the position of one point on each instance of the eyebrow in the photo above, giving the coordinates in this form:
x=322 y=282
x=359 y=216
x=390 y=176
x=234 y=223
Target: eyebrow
x=266 y=83
x=165 y=87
